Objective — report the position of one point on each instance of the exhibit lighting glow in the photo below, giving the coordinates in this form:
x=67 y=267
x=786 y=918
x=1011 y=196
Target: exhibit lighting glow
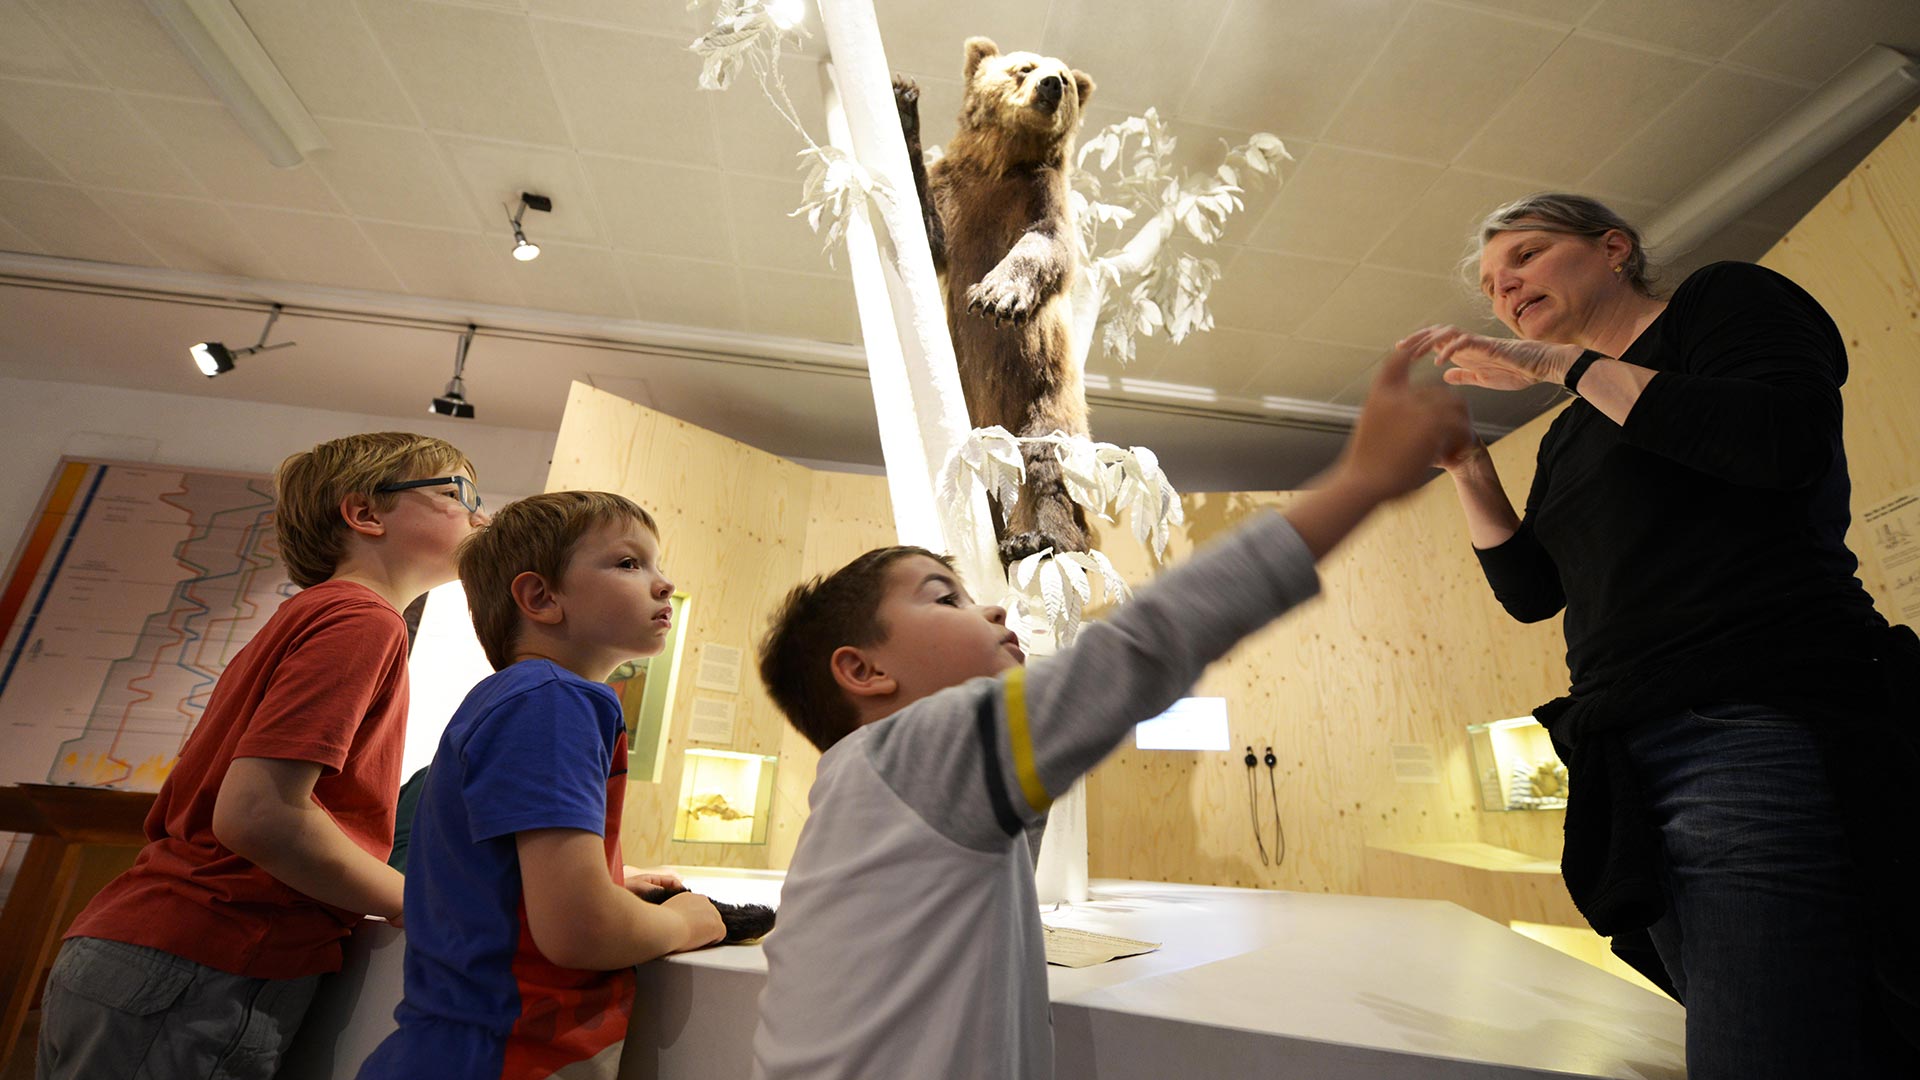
x=1514 y=722
x=522 y=249
x=787 y=14
x=733 y=754
x=1176 y=391
x=212 y=358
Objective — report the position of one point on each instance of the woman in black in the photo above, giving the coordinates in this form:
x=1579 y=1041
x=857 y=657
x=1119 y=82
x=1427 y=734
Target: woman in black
x=1734 y=692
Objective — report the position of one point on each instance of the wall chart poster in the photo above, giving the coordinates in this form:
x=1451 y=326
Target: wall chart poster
x=133 y=587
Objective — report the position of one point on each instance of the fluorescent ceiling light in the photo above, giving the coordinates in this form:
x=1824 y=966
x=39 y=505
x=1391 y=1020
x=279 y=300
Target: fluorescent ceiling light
x=223 y=49
x=1850 y=101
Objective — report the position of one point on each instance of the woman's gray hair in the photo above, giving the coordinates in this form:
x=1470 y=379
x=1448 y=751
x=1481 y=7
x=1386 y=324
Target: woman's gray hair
x=1556 y=211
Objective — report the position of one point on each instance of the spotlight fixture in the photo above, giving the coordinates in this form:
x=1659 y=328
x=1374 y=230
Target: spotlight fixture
x=214 y=358
x=523 y=249
x=454 y=401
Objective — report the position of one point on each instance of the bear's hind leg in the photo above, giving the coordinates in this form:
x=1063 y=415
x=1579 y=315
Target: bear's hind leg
x=1044 y=517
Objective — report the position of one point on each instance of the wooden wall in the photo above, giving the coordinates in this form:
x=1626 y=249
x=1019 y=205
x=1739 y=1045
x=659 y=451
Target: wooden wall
x=1407 y=646
x=739 y=527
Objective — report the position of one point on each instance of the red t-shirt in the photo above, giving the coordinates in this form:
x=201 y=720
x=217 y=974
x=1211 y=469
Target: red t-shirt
x=325 y=681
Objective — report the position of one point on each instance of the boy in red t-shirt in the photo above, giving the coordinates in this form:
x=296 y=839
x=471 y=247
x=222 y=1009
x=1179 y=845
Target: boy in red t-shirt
x=268 y=841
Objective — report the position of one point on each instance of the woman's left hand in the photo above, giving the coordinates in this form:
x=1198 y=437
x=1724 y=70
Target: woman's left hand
x=1493 y=363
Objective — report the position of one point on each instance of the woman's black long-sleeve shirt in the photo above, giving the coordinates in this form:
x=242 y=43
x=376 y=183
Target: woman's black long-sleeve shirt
x=1709 y=531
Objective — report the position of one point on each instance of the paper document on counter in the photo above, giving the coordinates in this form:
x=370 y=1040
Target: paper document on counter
x=1067 y=947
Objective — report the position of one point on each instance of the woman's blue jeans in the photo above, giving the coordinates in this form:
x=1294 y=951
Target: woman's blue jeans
x=1765 y=933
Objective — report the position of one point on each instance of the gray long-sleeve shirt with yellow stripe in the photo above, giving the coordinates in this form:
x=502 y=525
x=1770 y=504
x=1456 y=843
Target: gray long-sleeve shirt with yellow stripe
x=910 y=942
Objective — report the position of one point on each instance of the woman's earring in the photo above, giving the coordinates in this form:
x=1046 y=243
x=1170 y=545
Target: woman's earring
x=1616 y=269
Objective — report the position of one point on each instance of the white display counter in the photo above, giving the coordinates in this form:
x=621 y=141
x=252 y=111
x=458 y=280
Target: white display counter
x=1247 y=983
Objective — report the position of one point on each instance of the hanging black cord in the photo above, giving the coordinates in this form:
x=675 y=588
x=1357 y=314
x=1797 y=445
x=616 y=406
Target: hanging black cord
x=1273 y=789
x=1253 y=807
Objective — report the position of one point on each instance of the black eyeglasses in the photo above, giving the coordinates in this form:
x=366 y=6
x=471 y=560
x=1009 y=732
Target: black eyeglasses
x=463 y=489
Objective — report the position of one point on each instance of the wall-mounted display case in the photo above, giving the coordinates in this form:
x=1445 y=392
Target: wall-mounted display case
x=1516 y=766
x=725 y=796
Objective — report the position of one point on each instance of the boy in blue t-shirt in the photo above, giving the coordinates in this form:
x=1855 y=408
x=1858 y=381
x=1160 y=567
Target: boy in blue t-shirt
x=521 y=935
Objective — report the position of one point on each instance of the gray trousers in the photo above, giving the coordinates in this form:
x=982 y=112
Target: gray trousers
x=119 y=1010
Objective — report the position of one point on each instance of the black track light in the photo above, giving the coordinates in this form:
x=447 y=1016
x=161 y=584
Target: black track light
x=214 y=358
x=453 y=402
x=523 y=249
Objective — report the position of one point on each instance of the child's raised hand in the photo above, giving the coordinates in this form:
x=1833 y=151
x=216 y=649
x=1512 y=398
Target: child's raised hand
x=704 y=926
x=1404 y=429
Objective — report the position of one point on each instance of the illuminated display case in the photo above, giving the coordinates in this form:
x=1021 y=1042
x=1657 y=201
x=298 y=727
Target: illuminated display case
x=725 y=796
x=1514 y=762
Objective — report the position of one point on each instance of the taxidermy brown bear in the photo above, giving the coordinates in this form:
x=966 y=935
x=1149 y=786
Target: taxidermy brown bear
x=1003 y=241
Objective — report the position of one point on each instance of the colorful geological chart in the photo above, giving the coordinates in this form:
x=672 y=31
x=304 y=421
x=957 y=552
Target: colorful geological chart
x=133 y=588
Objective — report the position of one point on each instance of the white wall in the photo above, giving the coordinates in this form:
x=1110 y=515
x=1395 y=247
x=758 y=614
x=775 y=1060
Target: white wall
x=40 y=421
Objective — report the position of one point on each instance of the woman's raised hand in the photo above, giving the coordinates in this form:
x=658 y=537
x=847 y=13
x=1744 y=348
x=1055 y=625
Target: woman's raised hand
x=1493 y=363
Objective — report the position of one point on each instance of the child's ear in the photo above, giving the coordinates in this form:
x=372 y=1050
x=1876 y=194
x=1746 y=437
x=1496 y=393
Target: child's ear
x=537 y=601
x=362 y=516
x=857 y=675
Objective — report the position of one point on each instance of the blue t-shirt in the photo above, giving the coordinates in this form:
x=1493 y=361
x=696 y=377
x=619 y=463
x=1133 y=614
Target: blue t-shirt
x=532 y=747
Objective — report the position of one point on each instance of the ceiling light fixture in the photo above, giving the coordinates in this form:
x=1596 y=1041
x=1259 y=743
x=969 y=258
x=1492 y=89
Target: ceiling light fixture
x=522 y=249
x=1842 y=108
x=454 y=401
x=221 y=47
x=213 y=358
x=787 y=14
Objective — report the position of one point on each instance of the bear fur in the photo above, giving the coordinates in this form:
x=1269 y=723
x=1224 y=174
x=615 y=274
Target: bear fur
x=1002 y=232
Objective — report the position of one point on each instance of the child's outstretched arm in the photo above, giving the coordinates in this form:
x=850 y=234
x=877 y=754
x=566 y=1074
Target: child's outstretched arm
x=580 y=919
x=265 y=814
x=981 y=760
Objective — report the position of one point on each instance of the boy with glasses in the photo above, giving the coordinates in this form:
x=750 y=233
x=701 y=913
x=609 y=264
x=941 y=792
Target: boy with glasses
x=268 y=841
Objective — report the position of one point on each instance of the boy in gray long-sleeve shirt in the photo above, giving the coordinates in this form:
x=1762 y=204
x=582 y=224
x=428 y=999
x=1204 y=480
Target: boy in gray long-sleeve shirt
x=910 y=940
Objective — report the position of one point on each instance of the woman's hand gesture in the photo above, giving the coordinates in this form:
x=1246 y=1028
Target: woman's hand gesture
x=1493 y=363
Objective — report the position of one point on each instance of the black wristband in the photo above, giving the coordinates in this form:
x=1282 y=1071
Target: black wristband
x=1579 y=368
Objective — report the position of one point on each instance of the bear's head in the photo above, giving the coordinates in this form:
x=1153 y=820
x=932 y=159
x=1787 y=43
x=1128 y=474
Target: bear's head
x=1022 y=92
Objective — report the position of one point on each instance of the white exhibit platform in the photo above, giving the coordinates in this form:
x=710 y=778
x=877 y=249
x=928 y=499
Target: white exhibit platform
x=1247 y=982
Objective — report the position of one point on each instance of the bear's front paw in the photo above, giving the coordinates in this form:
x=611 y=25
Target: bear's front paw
x=1004 y=297
x=906 y=98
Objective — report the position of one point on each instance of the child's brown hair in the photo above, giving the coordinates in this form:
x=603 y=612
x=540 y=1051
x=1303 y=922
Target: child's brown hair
x=310 y=486
x=816 y=618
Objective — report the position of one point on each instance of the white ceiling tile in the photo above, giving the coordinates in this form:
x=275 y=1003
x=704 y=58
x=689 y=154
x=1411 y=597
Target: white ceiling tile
x=319 y=249
x=683 y=292
x=1706 y=125
x=125 y=45
x=1108 y=42
x=1375 y=307
x=1285 y=68
x=750 y=134
x=392 y=174
x=190 y=234
x=497 y=173
x=1442 y=74
x=205 y=137
x=12 y=239
x=630 y=93
x=1309 y=370
x=66 y=222
x=1339 y=203
x=1811 y=40
x=32 y=50
x=446 y=264
x=817 y=307
x=18 y=158
x=1270 y=292
x=1222 y=359
x=1558 y=128
x=675 y=18
x=1565 y=12
x=568 y=277
x=1438 y=229
x=328 y=55
x=661 y=209
x=926 y=37
x=93 y=137
x=471 y=71
x=763 y=235
x=1701 y=29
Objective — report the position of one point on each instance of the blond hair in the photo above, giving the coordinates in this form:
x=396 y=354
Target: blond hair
x=1576 y=215
x=310 y=486
x=537 y=534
